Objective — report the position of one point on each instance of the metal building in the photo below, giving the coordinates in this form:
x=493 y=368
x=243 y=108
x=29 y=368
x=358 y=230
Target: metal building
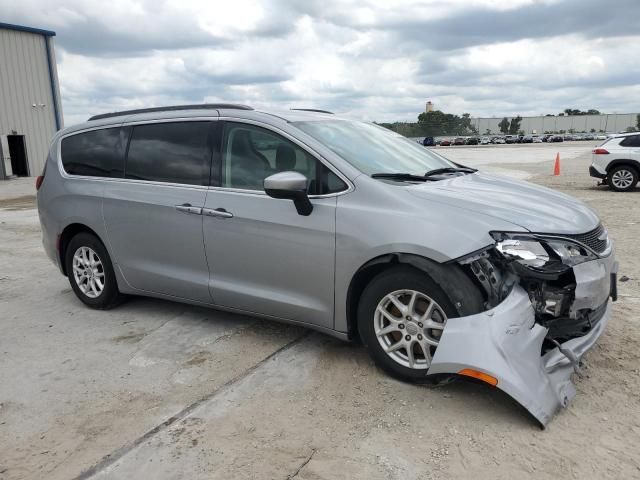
x=30 y=109
x=604 y=123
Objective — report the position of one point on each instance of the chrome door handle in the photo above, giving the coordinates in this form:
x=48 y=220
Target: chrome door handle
x=188 y=208
x=218 y=212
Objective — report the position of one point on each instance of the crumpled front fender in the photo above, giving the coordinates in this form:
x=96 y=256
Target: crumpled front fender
x=506 y=343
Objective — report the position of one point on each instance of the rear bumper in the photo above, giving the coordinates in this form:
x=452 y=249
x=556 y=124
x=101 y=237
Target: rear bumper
x=506 y=343
x=596 y=173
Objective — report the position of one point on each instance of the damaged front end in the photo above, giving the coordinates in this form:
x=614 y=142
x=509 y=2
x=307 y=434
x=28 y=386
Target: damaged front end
x=547 y=300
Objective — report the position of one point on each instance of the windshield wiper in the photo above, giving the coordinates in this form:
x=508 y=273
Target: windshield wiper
x=410 y=177
x=438 y=171
x=402 y=177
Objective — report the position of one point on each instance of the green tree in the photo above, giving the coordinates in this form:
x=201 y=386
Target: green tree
x=577 y=111
x=514 y=126
x=437 y=123
x=487 y=131
x=504 y=125
x=593 y=130
x=465 y=125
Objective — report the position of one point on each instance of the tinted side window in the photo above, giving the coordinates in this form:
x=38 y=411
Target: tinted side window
x=176 y=152
x=631 y=141
x=98 y=153
x=252 y=153
x=330 y=182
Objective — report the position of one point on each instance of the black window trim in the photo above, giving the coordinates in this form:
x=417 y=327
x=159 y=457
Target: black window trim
x=286 y=136
x=66 y=175
x=217 y=154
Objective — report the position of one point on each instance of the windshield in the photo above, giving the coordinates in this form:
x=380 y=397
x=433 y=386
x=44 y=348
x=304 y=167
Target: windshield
x=374 y=149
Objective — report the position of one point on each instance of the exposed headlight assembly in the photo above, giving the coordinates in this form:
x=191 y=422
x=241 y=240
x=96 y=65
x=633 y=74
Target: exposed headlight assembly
x=541 y=253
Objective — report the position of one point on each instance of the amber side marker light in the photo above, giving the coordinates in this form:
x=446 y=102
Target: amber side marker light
x=469 y=372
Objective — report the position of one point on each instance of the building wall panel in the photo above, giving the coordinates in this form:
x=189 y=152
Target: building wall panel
x=24 y=82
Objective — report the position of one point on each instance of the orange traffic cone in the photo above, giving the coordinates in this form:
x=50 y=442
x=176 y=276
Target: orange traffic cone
x=556 y=167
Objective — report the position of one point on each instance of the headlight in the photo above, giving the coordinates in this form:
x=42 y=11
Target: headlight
x=570 y=253
x=538 y=253
x=527 y=252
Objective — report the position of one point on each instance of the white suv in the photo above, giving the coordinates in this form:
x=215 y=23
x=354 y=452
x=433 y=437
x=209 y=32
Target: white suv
x=617 y=161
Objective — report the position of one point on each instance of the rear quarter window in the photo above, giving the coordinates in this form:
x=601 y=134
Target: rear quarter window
x=631 y=141
x=97 y=153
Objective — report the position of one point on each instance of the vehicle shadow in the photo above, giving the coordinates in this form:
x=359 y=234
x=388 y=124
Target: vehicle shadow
x=337 y=362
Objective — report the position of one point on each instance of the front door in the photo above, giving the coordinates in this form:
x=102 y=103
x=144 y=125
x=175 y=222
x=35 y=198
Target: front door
x=154 y=215
x=263 y=256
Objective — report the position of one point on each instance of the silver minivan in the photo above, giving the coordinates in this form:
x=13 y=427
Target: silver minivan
x=337 y=225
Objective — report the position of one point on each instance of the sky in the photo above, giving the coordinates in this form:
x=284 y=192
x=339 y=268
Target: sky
x=368 y=59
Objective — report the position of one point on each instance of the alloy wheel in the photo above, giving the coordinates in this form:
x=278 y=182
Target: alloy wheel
x=622 y=179
x=88 y=272
x=408 y=325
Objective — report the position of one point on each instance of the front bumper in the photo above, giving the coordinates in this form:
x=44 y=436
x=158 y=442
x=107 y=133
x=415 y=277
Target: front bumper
x=506 y=343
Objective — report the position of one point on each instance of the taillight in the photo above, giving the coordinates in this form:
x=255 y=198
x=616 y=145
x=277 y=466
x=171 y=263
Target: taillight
x=600 y=151
x=39 y=180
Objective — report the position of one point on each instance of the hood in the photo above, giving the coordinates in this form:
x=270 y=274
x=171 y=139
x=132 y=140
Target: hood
x=534 y=208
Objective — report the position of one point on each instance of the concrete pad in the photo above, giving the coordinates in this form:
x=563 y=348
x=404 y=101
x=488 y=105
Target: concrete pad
x=155 y=389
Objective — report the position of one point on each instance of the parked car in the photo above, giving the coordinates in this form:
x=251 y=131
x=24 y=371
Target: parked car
x=536 y=139
x=498 y=140
x=472 y=141
x=428 y=142
x=555 y=139
x=600 y=137
x=485 y=141
x=337 y=225
x=511 y=139
x=527 y=139
x=460 y=141
x=589 y=137
x=445 y=142
x=617 y=162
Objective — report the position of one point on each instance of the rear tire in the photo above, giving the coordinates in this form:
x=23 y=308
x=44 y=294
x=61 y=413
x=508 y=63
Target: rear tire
x=622 y=178
x=90 y=272
x=401 y=316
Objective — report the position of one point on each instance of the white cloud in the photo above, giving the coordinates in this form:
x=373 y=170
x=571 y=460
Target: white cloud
x=369 y=59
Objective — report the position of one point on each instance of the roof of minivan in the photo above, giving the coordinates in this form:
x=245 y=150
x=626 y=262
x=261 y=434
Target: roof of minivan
x=192 y=111
x=625 y=134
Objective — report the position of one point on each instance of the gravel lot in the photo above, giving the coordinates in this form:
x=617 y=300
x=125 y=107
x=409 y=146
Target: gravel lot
x=155 y=389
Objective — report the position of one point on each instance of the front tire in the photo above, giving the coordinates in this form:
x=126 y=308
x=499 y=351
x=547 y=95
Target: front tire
x=622 y=178
x=90 y=272
x=401 y=316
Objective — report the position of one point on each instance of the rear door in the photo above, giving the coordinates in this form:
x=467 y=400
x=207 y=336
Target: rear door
x=154 y=215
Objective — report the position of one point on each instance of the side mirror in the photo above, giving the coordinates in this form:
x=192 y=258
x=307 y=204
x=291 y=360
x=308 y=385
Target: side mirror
x=292 y=186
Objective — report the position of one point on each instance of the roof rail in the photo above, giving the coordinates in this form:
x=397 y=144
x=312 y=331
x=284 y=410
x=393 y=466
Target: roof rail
x=317 y=110
x=172 y=108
